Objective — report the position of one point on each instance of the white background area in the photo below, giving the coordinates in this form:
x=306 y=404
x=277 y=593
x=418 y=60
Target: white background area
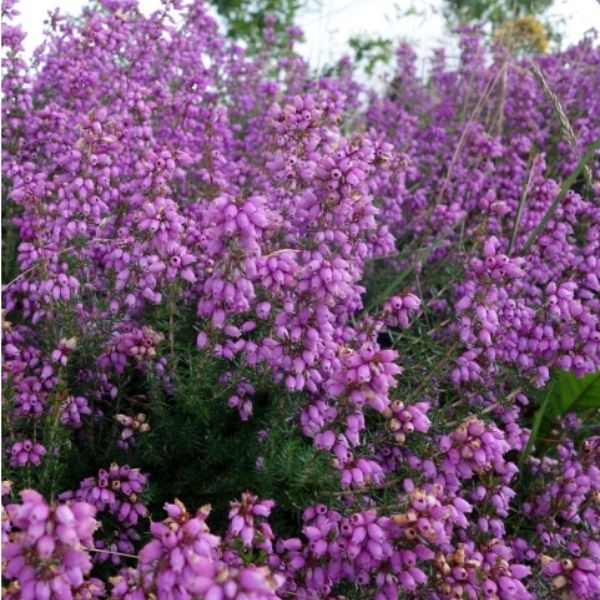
x=329 y=23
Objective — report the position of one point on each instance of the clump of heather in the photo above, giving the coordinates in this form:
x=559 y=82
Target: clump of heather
x=47 y=551
x=183 y=561
x=356 y=330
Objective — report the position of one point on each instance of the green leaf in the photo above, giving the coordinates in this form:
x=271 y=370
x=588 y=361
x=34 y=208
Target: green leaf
x=574 y=394
x=566 y=393
x=537 y=421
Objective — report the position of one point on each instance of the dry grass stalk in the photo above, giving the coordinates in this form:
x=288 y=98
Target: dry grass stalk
x=565 y=124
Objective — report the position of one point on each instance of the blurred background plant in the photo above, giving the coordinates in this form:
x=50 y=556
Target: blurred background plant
x=521 y=25
x=246 y=19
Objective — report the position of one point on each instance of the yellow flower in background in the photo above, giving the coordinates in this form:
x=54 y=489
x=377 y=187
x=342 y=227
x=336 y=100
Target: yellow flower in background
x=525 y=34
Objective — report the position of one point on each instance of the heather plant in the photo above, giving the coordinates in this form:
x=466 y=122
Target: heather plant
x=354 y=330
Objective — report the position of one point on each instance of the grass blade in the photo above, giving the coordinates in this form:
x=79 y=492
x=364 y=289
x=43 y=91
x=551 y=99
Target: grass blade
x=569 y=181
x=537 y=421
x=513 y=237
x=421 y=255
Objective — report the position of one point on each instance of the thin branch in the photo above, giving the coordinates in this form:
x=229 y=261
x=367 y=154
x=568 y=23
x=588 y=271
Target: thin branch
x=513 y=237
x=466 y=129
x=58 y=253
x=102 y=550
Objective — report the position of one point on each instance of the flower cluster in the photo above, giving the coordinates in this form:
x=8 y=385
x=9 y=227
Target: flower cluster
x=131 y=426
x=116 y=490
x=47 y=550
x=182 y=561
x=26 y=452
